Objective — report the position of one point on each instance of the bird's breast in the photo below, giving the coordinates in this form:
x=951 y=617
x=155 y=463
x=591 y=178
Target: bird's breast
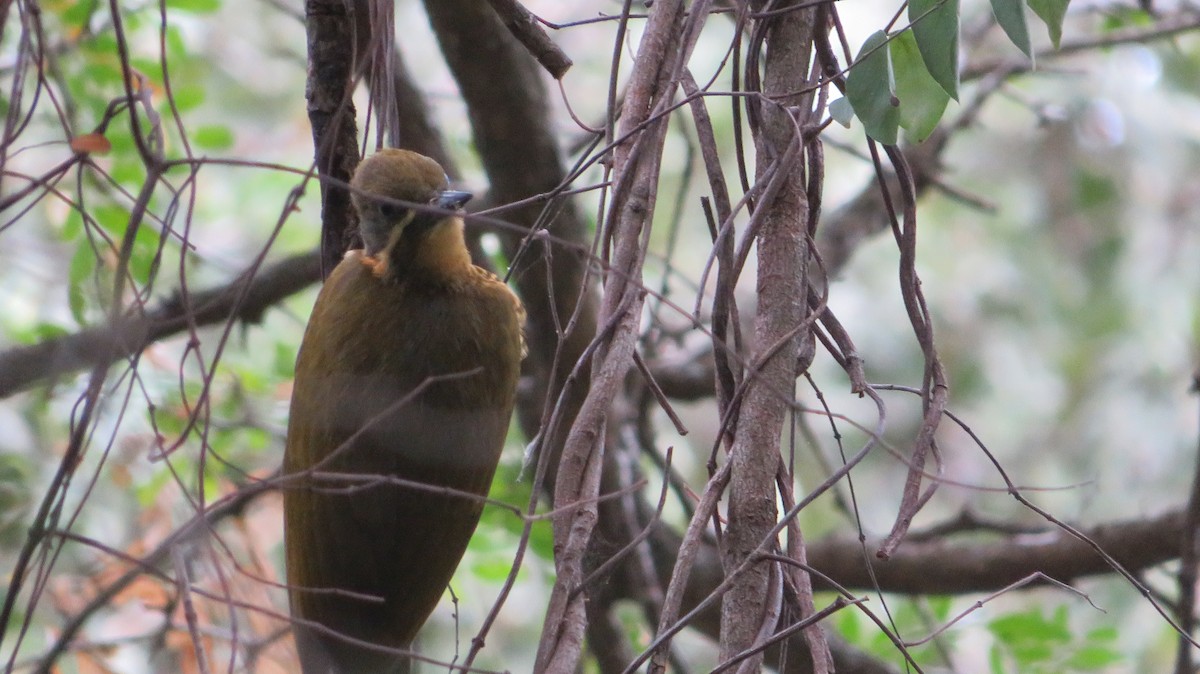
x=405 y=380
x=453 y=346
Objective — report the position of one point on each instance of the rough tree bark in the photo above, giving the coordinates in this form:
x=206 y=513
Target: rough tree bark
x=780 y=328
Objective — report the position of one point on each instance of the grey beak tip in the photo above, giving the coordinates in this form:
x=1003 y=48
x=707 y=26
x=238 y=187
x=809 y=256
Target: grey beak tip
x=453 y=200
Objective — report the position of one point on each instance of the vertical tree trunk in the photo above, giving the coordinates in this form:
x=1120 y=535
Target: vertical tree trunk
x=783 y=253
x=331 y=112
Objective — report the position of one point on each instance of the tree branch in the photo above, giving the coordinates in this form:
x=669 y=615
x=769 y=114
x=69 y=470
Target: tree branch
x=779 y=327
x=524 y=26
x=24 y=366
x=330 y=27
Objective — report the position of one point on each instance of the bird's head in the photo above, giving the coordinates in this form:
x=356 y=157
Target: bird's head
x=390 y=176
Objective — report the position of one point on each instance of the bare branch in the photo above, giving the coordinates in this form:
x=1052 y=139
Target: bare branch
x=524 y=26
x=331 y=78
x=782 y=288
x=246 y=299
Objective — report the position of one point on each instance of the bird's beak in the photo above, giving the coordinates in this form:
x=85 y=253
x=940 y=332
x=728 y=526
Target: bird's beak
x=452 y=200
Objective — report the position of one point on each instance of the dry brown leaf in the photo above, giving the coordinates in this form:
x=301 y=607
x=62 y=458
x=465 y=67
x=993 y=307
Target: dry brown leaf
x=86 y=663
x=150 y=592
x=91 y=143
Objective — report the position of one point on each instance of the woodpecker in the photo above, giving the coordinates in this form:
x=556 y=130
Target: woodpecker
x=404 y=387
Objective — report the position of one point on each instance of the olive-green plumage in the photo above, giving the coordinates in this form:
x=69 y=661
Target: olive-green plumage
x=407 y=374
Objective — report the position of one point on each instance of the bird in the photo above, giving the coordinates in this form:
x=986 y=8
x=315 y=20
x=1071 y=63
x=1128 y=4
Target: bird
x=404 y=386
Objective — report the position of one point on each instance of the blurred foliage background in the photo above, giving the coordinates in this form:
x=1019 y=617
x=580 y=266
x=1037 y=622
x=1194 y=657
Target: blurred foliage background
x=1059 y=255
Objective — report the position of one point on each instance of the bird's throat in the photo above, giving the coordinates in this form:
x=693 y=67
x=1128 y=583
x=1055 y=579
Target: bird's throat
x=436 y=254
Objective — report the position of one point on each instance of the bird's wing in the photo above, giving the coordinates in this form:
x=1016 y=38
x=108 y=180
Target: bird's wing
x=387 y=516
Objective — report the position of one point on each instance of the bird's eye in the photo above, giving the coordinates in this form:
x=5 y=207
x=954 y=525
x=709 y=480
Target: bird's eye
x=391 y=211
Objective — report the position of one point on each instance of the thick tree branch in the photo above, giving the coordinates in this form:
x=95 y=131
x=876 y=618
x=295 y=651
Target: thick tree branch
x=984 y=567
x=246 y=298
x=970 y=567
x=637 y=162
x=939 y=567
x=524 y=26
x=330 y=26
x=779 y=328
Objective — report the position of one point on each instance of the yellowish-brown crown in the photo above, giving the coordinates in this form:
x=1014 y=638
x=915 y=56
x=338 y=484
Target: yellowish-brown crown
x=396 y=174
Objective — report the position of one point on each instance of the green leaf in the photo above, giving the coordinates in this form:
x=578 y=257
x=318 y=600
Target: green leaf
x=126 y=167
x=147 y=492
x=922 y=100
x=72 y=227
x=492 y=568
x=114 y=219
x=195 y=6
x=284 y=362
x=211 y=484
x=1120 y=18
x=541 y=540
x=1102 y=635
x=1091 y=658
x=996 y=661
x=1010 y=14
x=841 y=111
x=1032 y=653
x=100 y=73
x=144 y=257
x=940 y=606
x=78 y=14
x=16 y=498
x=79 y=273
x=187 y=96
x=1031 y=637
x=935 y=26
x=254 y=439
x=168 y=421
x=47 y=331
x=871 y=89
x=1052 y=13
x=176 y=45
x=848 y=626
x=213 y=137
